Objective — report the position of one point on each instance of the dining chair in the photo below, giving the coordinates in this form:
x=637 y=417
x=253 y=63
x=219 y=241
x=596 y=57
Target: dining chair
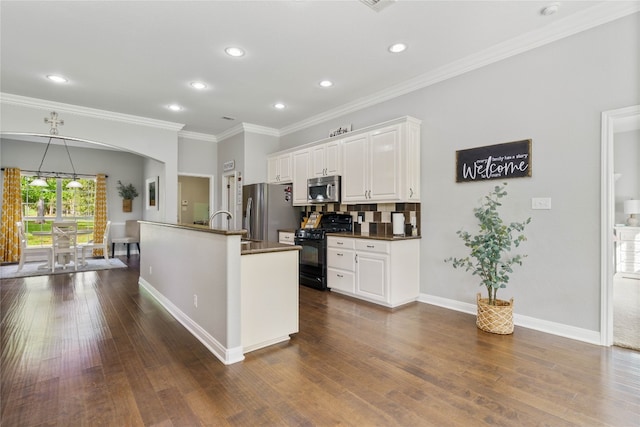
x=65 y=248
x=26 y=250
x=90 y=246
x=132 y=235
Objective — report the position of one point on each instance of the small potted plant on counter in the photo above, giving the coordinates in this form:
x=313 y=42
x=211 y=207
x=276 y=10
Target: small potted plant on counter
x=128 y=193
x=490 y=259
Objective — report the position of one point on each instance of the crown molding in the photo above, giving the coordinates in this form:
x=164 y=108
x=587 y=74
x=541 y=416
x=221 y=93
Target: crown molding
x=197 y=136
x=594 y=16
x=247 y=127
x=262 y=130
x=23 y=101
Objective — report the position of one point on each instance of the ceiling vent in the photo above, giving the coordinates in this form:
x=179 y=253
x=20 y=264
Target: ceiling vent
x=378 y=5
x=227 y=118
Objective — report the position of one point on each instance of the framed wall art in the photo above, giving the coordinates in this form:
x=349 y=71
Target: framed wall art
x=152 y=191
x=500 y=161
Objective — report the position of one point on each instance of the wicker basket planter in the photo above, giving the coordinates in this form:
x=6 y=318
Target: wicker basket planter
x=497 y=319
x=126 y=205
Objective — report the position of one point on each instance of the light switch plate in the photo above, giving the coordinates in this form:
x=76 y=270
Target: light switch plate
x=541 y=203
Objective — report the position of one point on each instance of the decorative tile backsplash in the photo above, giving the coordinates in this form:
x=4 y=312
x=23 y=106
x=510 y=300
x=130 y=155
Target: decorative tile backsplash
x=375 y=218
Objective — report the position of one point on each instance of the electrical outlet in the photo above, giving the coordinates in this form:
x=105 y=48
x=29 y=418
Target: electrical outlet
x=541 y=203
x=195 y=300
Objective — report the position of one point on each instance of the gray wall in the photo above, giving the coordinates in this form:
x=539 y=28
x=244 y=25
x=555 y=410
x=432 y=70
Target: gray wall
x=554 y=95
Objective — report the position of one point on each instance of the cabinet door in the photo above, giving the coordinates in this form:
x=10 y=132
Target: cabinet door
x=285 y=170
x=354 y=171
x=332 y=158
x=384 y=164
x=318 y=161
x=371 y=276
x=272 y=169
x=300 y=176
x=412 y=160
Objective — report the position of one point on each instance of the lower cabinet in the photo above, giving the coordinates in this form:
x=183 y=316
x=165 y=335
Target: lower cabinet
x=379 y=271
x=286 y=237
x=628 y=251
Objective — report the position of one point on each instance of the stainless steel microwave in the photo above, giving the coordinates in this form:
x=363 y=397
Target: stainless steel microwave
x=325 y=189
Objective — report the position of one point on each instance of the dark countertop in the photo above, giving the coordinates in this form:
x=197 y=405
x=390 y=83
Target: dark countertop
x=252 y=247
x=355 y=235
x=197 y=227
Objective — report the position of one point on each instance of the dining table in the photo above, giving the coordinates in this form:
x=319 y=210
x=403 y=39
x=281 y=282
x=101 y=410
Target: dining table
x=62 y=258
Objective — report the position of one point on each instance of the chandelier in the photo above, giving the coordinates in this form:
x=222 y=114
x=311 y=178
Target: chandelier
x=54 y=121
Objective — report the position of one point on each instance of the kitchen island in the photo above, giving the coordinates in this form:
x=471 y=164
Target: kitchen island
x=234 y=296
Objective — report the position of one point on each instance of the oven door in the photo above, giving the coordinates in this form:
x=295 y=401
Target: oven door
x=312 y=262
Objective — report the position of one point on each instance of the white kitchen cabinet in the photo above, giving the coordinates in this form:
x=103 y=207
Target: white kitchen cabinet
x=279 y=168
x=383 y=165
x=412 y=161
x=301 y=166
x=326 y=159
x=355 y=172
x=380 y=271
x=286 y=237
x=628 y=251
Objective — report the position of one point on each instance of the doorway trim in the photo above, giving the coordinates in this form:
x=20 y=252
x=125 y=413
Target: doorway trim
x=623 y=119
x=230 y=194
x=211 y=188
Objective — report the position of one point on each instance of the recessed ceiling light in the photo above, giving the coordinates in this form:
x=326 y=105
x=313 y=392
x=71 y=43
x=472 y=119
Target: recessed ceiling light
x=326 y=83
x=550 y=10
x=234 y=51
x=198 y=85
x=397 y=48
x=175 y=107
x=279 y=105
x=57 y=79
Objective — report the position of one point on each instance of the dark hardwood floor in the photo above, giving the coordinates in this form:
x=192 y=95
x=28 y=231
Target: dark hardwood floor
x=92 y=349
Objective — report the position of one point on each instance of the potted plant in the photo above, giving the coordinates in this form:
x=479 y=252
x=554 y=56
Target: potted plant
x=490 y=259
x=128 y=193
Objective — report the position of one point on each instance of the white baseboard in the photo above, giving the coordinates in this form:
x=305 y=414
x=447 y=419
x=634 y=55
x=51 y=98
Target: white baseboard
x=225 y=355
x=566 y=331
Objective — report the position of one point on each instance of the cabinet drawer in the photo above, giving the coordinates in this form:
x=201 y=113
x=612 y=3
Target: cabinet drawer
x=340 y=242
x=627 y=246
x=372 y=246
x=286 y=237
x=340 y=280
x=630 y=235
x=626 y=256
x=340 y=258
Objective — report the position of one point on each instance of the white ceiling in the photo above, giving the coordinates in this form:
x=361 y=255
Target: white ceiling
x=137 y=57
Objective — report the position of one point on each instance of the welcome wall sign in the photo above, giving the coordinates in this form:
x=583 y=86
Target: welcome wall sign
x=500 y=161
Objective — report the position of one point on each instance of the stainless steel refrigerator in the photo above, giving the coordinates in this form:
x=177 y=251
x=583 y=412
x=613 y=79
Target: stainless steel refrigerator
x=267 y=208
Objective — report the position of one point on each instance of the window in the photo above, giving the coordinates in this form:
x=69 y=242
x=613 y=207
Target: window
x=55 y=202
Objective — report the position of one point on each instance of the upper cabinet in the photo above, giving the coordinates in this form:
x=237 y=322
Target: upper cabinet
x=326 y=159
x=383 y=165
x=301 y=168
x=378 y=164
x=279 y=168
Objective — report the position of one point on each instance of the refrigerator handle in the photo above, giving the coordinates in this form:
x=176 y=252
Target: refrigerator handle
x=248 y=217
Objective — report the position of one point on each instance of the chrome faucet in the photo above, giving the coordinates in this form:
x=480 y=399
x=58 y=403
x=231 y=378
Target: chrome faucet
x=213 y=215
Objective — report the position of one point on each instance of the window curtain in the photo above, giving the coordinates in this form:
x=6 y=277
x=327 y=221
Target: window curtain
x=11 y=213
x=100 y=214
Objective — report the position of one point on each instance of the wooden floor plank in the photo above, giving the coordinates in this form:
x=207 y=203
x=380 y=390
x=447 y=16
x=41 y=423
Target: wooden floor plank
x=94 y=349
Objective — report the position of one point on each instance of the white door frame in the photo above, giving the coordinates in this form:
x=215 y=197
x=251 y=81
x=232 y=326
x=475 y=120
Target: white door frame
x=211 y=189
x=232 y=195
x=623 y=119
